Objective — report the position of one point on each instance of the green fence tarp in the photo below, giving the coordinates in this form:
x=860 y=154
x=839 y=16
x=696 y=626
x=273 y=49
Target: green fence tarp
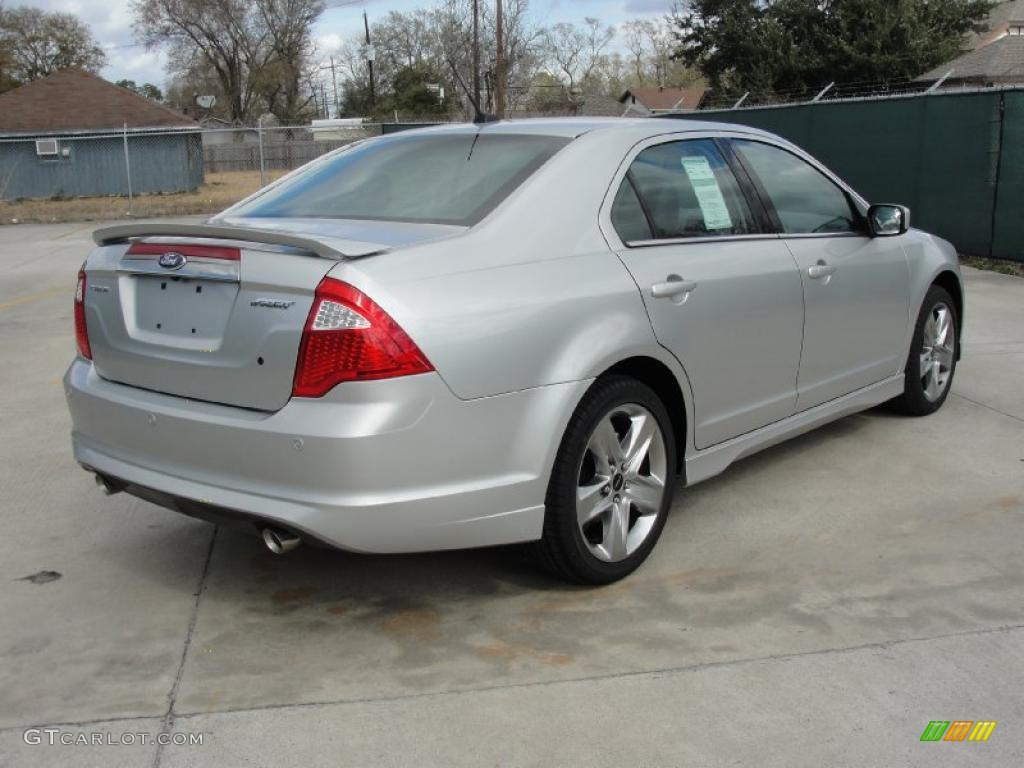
x=1008 y=240
x=956 y=159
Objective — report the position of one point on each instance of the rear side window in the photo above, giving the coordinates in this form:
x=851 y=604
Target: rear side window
x=440 y=179
x=689 y=190
x=628 y=215
x=805 y=200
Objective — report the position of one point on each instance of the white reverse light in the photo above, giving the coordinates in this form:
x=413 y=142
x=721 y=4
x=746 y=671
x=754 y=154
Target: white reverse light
x=332 y=316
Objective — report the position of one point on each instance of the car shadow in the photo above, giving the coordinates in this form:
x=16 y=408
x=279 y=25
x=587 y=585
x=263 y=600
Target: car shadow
x=240 y=563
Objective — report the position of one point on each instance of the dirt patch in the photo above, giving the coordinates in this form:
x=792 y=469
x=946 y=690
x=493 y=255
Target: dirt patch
x=293 y=595
x=508 y=652
x=421 y=623
x=219 y=190
x=1002 y=266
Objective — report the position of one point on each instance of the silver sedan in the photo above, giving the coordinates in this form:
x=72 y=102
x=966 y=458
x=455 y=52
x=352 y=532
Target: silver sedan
x=516 y=332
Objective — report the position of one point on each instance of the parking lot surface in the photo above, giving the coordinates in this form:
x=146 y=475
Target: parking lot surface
x=818 y=604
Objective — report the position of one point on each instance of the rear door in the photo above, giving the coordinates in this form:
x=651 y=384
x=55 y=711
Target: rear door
x=856 y=287
x=212 y=320
x=722 y=295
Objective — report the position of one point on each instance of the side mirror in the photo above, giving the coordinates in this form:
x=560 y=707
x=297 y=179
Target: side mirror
x=888 y=220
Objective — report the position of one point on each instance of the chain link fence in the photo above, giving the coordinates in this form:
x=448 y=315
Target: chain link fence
x=111 y=175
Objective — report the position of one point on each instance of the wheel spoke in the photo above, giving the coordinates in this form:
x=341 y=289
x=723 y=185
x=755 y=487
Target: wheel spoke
x=638 y=442
x=944 y=355
x=646 y=492
x=941 y=327
x=617 y=531
x=605 y=444
x=928 y=332
x=933 y=389
x=591 y=503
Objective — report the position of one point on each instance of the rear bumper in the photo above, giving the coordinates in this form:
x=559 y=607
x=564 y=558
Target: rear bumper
x=399 y=465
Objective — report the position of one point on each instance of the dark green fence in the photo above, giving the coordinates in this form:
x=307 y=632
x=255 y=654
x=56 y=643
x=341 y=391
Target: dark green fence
x=957 y=159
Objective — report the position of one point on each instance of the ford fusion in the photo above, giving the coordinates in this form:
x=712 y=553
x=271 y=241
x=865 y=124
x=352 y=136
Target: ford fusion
x=525 y=331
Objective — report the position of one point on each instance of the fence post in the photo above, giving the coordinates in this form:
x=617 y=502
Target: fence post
x=259 y=135
x=128 y=168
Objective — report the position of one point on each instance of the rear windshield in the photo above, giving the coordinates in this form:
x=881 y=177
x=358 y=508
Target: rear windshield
x=441 y=179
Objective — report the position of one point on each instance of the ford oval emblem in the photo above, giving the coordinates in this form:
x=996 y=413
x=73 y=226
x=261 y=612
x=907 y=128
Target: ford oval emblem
x=172 y=260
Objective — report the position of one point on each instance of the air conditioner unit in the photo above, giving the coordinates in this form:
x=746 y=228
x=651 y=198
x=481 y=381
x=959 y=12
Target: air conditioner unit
x=47 y=147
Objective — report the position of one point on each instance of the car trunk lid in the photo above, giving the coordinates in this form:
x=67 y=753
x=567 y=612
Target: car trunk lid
x=206 y=312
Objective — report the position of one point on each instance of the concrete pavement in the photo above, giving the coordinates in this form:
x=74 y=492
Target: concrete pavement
x=818 y=604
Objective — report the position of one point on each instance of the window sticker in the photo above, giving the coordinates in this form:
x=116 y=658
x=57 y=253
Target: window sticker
x=709 y=195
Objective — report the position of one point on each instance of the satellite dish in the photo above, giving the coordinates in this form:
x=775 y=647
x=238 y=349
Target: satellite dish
x=206 y=102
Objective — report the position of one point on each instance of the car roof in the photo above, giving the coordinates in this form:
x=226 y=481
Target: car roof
x=571 y=127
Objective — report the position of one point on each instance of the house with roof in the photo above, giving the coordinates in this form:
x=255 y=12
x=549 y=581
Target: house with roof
x=647 y=100
x=598 y=105
x=997 y=57
x=73 y=134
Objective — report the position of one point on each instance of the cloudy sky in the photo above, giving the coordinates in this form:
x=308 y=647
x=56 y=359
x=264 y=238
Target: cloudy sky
x=111 y=23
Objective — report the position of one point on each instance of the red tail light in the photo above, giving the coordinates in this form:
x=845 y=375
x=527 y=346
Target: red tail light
x=81 y=332
x=349 y=338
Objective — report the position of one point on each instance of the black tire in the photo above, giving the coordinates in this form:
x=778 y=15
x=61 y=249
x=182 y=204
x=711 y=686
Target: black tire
x=562 y=550
x=914 y=400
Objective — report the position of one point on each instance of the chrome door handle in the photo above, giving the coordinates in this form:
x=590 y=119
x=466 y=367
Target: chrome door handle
x=673 y=287
x=818 y=271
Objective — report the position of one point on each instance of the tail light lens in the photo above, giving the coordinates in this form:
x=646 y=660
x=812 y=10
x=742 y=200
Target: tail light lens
x=349 y=338
x=81 y=332
x=187 y=250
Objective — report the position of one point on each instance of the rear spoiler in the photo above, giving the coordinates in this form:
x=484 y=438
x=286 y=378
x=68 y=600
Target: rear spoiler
x=326 y=247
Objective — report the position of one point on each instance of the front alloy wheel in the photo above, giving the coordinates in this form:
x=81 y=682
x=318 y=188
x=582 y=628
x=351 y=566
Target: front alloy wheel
x=611 y=485
x=933 y=353
x=936 y=359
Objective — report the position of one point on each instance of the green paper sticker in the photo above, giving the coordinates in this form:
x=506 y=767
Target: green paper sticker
x=709 y=194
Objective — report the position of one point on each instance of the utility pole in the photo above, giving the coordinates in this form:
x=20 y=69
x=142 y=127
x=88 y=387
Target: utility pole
x=334 y=84
x=499 y=64
x=476 y=55
x=369 y=59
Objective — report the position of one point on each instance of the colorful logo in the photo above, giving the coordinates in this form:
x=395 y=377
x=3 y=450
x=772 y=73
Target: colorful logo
x=958 y=730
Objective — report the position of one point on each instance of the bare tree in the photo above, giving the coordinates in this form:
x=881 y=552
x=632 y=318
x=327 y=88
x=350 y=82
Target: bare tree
x=635 y=37
x=256 y=49
x=281 y=78
x=215 y=34
x=34 y=43
x=440 y=40
x=523 y=57
x=577 y=52
x=651 y=46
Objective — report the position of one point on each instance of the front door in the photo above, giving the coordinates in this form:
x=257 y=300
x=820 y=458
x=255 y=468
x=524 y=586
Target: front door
x=722 y=296
x=855 y=287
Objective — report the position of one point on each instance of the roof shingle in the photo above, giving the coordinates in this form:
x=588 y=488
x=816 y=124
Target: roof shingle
x=1001 y=61
x=666 y=98
x=76 y=100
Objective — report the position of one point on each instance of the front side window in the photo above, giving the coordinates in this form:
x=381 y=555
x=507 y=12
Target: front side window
x=688 y=190
x=805 y=200
x=455 y=178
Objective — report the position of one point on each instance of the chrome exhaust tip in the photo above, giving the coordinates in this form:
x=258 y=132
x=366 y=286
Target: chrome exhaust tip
x=280 y=542
x=108 y=488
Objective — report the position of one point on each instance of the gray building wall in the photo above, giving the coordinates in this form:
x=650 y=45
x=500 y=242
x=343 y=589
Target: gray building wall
x=160 y=163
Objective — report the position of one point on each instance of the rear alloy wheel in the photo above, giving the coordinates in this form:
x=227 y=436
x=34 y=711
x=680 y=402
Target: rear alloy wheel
x=933 y=352
x=612 y=484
